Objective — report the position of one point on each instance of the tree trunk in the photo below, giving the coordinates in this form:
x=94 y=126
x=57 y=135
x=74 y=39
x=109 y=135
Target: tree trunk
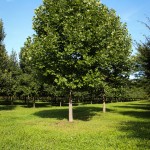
x=25 y=100
x=33 y=102
x=12 y=102
x=70 y=107
x=28 y=101
x=104 y=103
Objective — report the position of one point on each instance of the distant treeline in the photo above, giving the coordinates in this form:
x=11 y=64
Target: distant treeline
x=61 y=100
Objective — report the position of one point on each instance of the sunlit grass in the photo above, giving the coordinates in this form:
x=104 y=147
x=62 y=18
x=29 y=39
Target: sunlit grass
x=123 y=126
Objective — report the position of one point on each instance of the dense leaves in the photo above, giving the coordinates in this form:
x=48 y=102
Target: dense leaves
x=78 y=41
x=79 y=48
x=3 y=59
x=78 y=45
x=142 y=62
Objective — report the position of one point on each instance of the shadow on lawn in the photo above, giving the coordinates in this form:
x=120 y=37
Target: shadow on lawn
x=44 y=105
x=141 y=110
x=139 y=129
x=37 y=105
x=136 y=106
x=83 y=113
x=137 y=114
x=7 y=107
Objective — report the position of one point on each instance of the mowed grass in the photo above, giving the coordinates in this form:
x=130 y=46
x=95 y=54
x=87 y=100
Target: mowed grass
x=125 y=126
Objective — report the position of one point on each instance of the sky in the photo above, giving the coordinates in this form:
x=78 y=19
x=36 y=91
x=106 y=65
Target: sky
x=17 y=18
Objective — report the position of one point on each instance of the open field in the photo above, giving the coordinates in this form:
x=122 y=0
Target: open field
x=125 y=126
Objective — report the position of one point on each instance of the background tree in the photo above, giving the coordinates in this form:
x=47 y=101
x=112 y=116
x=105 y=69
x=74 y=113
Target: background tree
x=12 y=73
x=143 y=62
x=9 y=68
x=29 y=84
x=78 y=43
x=3 y=53
x=3 y=59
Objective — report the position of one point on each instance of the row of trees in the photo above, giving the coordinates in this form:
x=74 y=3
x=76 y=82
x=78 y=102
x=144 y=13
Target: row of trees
x=9 y=67
x=13 y=80
x=79 y=48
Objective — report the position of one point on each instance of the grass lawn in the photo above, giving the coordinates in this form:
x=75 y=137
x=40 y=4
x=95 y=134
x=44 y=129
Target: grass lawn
x=125 y=126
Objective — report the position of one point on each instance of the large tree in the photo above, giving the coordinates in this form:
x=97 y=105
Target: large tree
x=78 y=43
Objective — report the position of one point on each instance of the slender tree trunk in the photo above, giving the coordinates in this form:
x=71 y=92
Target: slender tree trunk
x=12 y=102
x=70 y=107
x=60 y=103
x=33 y=102
x=25 y=100
x=104 y=103
x=28 y=101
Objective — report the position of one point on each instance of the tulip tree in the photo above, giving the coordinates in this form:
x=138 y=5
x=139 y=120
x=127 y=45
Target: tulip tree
x=78 y=43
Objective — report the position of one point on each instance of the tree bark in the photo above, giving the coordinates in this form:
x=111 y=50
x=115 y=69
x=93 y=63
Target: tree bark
x=70 y=107
x=28 y=101
x=25 y=100
x=104 y=104
x=33 y=102
x=12 y=102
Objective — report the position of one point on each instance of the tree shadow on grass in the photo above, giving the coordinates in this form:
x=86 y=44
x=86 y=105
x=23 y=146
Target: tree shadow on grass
x=83 y=113
x=137 y=114
x=141 y=110
x=37 y=105
x=139 y=129
x=44 y=105
x=136 y=106
x=7 y=107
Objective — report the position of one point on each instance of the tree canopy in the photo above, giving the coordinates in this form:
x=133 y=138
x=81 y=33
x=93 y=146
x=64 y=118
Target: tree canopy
x=77 y=38
x=3 y=59
x=143 y=61
x=79 y=43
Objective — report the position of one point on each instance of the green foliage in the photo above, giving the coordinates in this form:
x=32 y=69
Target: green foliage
x=136 y=92
x=29 y=84
x=53 y=91
x=3 y=60
x=9 y=78
x=2 y=33
x=125 y=126
x=143 y=58
x=142 y=62
x=9 y=68
x=78 y=43
x=13 y=72
x=3 y=53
